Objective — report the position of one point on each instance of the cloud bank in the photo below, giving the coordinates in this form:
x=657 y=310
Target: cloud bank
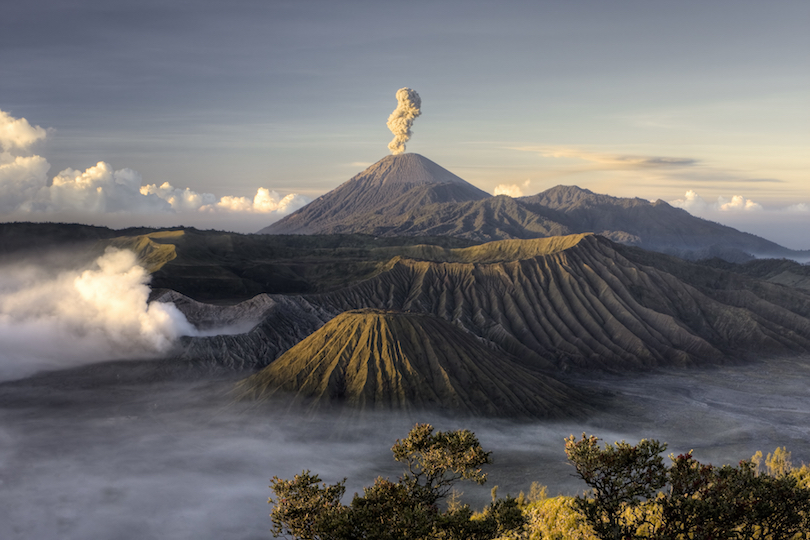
x=698 y=206
x=58 y=319
x=785 y=225
x=27 y=193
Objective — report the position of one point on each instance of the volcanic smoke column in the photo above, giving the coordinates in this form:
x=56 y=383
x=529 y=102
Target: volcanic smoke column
x=401 y=120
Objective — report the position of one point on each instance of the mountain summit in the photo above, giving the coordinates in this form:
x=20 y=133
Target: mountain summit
x=394 y=186
x=409 y=195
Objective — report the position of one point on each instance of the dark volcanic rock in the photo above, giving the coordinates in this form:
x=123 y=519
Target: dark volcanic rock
x=392 y=187
x=410 y=195
x=556 y=304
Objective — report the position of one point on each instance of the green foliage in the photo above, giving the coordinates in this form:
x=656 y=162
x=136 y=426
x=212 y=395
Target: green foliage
x=732 y=502
x=537 y=492
x=407 y=509
x=436 y=461
x=619 y=475
x=778 y=463
x=633 y=495
x=703 y=501
x=304 y=507
x=557 y=518
x=389 y=511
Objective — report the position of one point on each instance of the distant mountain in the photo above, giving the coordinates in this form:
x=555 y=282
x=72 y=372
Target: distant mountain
x=410 y=195
x=378 y=360
x=655 y=225
x=394 y=186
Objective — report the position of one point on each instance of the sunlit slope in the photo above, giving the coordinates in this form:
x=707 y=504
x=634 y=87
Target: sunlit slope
x=498 y=251
x=372 y=359
x=565 y=303
x=591 y=304
x=151 y=254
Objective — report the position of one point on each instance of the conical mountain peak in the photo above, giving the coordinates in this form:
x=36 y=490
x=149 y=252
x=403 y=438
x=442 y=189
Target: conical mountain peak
x=373 y=359
x=375 y=199
x=407 y=169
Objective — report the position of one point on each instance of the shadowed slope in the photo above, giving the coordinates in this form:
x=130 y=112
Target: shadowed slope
x=413 y=196
x=371 y=359
x=564 y=303
x=592 y=305
x=652 y=225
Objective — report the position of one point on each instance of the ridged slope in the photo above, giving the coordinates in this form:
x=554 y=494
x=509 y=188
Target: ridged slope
x=393 y=186
x=589 y=305
x=372 y=359
x=579 y=301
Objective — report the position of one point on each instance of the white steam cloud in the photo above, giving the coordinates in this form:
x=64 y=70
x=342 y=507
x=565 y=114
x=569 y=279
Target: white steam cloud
x=56 y=320
x=26 y=192
x=401 y=120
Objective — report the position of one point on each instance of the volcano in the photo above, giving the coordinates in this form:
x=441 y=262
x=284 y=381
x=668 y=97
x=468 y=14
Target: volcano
x=386 y=360
x=409 y=195
x=377 y=197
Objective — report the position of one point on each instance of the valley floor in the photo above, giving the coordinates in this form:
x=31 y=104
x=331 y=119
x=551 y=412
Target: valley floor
x=107 y=452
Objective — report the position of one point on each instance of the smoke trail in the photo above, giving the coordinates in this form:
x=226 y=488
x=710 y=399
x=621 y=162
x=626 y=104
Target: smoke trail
x=401 y=120
x=82 y=316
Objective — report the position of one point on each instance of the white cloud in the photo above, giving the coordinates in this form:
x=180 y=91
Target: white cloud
x=100 y=189
x=512 y=190
x=799 y=208
x=697 y=205
x=21 y=179
x=17 y=133
x=180 y=199
x=26 y=193
x=265 y=202
x=736 y=204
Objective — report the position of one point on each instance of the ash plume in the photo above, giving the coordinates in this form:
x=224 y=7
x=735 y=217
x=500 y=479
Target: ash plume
x=401 y=120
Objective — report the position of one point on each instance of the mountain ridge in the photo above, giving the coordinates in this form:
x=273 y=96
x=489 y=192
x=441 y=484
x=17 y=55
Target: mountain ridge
x=591 y=304
x=409 y=195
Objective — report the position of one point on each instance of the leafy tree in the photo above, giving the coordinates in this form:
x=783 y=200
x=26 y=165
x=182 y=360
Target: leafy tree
x=620 y=475
x=407 y=509
x=703 y=502
x=732 y=502
x=390 y=511
x=436 y=461
x=305 y=507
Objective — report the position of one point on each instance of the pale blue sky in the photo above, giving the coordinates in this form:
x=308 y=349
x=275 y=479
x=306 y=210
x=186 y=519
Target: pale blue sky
x=629 y=98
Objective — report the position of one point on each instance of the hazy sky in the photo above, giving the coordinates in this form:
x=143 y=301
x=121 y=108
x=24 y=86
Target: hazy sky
x=629 y=98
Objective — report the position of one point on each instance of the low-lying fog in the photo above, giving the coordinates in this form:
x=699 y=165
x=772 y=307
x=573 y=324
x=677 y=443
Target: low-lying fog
x=100 y=452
